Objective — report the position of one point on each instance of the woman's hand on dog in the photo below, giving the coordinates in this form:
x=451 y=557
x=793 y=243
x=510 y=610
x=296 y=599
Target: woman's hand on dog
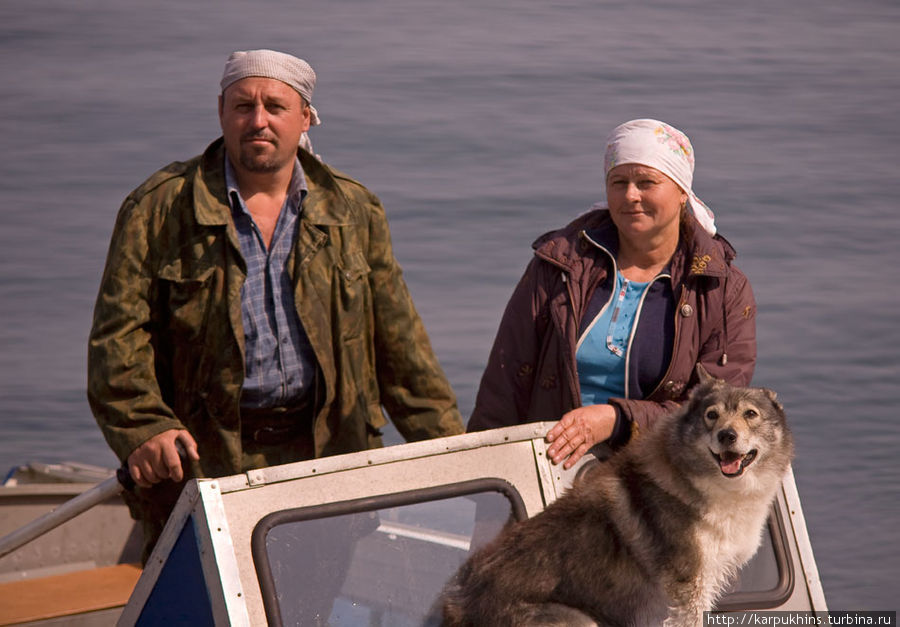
x=577 y=431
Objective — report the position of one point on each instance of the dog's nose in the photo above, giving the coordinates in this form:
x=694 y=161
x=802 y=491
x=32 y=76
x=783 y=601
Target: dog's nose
x=727 y=436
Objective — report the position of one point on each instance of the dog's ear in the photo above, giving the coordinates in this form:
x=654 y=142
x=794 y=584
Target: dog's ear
x=773 y=397
x=702 y=375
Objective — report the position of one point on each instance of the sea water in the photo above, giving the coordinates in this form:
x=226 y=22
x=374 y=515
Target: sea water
x=481 y=125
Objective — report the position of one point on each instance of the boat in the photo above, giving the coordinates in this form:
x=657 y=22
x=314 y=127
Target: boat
x=80 y=573
x=367 y=538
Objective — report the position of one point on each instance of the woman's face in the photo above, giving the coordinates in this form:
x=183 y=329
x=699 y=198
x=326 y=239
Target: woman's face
x=643 y=202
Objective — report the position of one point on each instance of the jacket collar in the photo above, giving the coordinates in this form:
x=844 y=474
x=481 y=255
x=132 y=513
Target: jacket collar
x=701 y=255
x=704 y=254
x=324 y=205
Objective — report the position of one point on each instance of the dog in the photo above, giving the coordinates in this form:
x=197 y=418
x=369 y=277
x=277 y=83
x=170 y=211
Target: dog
x=649 y=537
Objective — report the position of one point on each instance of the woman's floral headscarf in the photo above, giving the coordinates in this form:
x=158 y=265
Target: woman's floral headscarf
x=657 y=145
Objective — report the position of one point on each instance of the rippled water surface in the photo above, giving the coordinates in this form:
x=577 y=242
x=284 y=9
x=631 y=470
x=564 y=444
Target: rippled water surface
x=480 y=125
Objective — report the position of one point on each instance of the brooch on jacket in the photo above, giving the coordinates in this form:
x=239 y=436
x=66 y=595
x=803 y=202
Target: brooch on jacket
x=699 y=264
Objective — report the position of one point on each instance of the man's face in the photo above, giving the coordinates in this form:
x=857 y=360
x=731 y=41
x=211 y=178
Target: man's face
x=262 y=120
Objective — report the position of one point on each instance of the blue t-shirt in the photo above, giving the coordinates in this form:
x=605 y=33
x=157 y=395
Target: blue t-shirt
x=601 y=351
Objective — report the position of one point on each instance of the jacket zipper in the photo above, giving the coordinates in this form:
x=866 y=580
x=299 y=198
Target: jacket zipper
x=675 y=341
x=637 y=318
x=615 y=271
x=575 y=387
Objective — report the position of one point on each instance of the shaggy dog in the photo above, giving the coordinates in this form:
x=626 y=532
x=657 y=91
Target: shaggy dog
x=652 y=535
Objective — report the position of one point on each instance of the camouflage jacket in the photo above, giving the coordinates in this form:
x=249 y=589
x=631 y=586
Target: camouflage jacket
x=532 y=373
x=166 y=349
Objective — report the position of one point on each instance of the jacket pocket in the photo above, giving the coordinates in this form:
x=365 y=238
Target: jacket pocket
x=712 y=345
x=185 y=298
x=354 y=296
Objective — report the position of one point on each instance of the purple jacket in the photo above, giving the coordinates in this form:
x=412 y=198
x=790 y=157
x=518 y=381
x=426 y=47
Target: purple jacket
x=704 y=313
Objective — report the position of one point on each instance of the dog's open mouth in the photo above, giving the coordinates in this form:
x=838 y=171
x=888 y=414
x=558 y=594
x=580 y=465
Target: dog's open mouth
x=732 y=464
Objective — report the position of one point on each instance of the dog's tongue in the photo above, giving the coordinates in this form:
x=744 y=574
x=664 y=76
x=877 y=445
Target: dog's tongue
x=730 y=464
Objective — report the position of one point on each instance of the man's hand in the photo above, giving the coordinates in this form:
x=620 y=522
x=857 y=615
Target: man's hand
x=579 y=430
x=158 y=458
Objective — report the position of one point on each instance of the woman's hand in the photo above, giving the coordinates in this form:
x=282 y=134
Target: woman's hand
x=579 y=430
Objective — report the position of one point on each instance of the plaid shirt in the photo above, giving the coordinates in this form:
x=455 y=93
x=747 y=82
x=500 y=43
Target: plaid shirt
x=280 y=363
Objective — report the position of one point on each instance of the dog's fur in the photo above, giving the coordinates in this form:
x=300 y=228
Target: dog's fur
x=654 y=533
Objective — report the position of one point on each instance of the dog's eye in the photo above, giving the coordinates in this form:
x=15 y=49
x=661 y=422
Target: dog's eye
x=712 y=415
x=750 y=414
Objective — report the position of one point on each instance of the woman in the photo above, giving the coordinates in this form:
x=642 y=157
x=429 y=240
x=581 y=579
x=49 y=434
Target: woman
x=615 y=309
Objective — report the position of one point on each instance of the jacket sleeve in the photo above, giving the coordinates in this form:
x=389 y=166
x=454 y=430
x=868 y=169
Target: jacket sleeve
x=412 y=386
x=504 y=394
x=737 y=343
x=123 y=391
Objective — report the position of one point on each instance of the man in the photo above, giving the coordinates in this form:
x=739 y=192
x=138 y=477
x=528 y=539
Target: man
x=251 y=311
